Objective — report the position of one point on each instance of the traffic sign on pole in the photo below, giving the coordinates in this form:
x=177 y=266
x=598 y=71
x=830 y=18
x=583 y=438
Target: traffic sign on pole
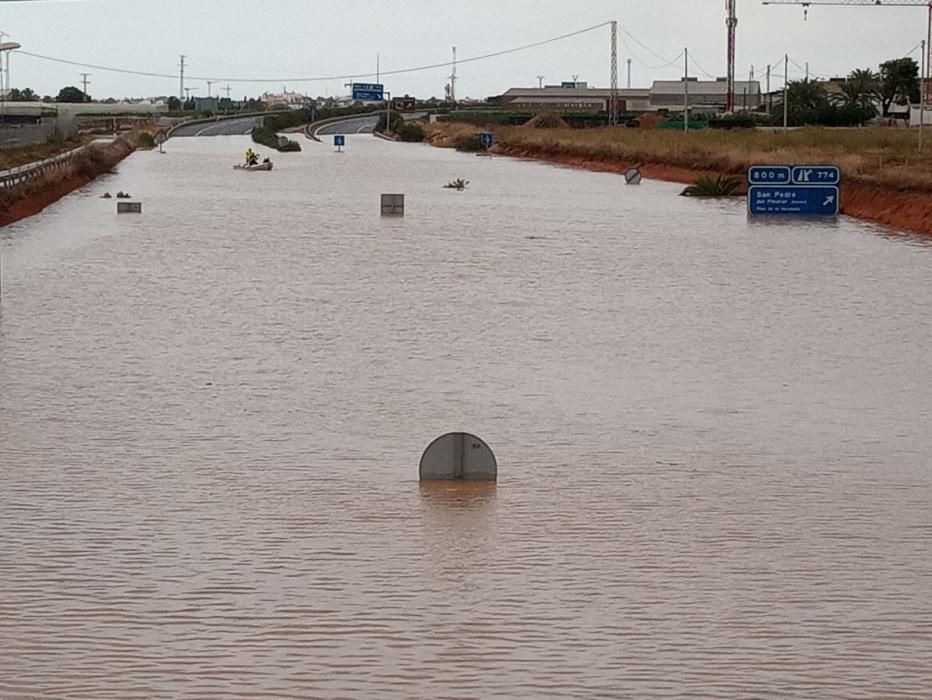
x=368 y=92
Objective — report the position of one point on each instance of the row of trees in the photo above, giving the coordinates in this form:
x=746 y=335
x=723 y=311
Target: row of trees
x=66 y=94
x=865 y=94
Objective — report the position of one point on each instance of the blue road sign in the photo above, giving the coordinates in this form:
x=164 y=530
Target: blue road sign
x=769 y=175
x=339 y=140
x=368 y=92
x=816 y=175
x=486 y=139
x=805 y=200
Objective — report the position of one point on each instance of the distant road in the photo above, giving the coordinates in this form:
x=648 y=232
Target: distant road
x=356 y=125
x=225 y=127
x=359 y=125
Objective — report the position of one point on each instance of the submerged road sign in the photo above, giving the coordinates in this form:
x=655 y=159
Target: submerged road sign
x=794 y=199
x=339 y=140
x=769 y=175
x=803 y=190
x=368 y=92
x=486 y=139
x=816 y=175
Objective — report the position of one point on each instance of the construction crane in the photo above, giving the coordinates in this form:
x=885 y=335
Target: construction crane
x=805 y=4
x=732 y=23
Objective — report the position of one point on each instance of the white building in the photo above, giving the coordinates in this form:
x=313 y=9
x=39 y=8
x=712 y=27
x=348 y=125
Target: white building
x=285 y=100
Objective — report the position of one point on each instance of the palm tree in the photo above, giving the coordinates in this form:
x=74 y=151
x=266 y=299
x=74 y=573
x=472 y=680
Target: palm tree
x=805 y=95
x=861 y=90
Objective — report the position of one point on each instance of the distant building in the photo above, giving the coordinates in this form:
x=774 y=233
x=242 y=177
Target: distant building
x=286 y=100
x=574 y=98
x=707 y=95
x=661 y=96
x=206 y=104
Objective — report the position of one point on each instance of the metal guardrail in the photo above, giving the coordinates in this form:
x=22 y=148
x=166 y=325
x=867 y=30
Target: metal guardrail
x=30 y=171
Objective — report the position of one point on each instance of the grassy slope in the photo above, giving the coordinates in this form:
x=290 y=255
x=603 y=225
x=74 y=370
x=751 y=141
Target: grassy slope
x=13 y=157
x=872 y=156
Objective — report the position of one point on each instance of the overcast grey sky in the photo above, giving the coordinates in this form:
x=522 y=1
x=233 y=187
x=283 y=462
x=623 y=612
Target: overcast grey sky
x=310 y=38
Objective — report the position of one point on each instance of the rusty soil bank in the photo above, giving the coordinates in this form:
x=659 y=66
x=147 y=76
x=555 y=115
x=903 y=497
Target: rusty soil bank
x=883 y=181
x=32 y=197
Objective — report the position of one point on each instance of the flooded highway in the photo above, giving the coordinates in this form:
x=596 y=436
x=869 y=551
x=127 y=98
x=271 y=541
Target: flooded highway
x=712 y=438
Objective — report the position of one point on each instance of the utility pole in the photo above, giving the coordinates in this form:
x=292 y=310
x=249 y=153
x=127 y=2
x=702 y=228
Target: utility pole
x=922 y=105
x=84 y=82
x=540 y=81
x=613 y=102
x=732 y=23
x=453 y=79
x=786 y=91
x=807 y=71
x=181 y=77
x=686 y=92
x=378 y=66
x=209 y=83
x=7 y=74
x=769 y=96
x=629 y=73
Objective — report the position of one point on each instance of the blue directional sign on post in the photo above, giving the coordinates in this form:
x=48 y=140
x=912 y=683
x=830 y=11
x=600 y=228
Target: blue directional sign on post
x=793 y=199
x=486 y=139
x=803 y=190
x=368 y=92
x=339 y=140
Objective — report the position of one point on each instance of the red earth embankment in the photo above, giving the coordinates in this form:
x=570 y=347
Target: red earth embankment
x=885 y=181
x=902 y=209
x=32 y=197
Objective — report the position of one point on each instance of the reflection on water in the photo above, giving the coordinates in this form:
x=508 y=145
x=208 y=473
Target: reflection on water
x=712 y=439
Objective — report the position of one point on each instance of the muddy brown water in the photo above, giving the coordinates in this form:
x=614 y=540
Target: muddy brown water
x=713 y=438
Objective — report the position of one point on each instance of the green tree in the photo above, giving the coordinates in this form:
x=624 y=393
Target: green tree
x=174 y=104
x=805 y=96
x=71 y=94
x=29 y=95
x=899 y=82
x=860 y=90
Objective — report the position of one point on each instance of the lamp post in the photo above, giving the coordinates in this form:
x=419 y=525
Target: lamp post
x=5 y=48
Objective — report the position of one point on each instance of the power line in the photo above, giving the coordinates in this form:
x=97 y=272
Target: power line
x=646 y=47
x=647 y=65
x=433 y=66
x=692 y=59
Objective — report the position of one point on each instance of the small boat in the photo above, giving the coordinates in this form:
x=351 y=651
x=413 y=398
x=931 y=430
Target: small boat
x=267 y=165
x=458 y=184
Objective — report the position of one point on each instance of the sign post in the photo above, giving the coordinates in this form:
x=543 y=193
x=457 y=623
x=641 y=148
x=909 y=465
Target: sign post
x=804 y=190
x=339 y=140
x=486 y=138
